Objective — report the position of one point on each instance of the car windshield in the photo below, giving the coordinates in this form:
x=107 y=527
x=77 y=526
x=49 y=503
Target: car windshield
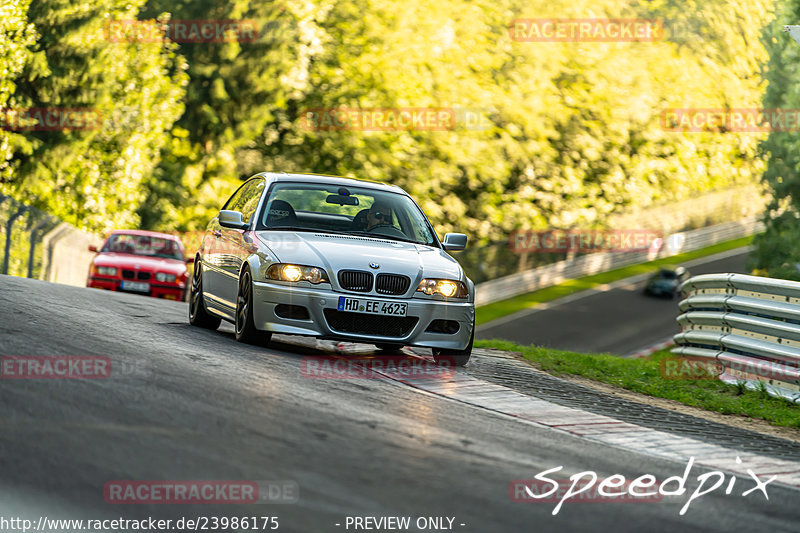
x=125 y=243
x=349 y=210
x=669 y=274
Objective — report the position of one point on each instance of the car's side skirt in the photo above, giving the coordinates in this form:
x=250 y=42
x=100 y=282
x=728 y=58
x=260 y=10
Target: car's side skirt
x=219 y=307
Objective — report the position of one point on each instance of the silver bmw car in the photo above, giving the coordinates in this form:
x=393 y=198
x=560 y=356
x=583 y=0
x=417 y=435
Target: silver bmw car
x=335 y=258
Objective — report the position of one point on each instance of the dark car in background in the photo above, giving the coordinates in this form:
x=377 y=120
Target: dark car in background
x=666 y=282
x=141 y=262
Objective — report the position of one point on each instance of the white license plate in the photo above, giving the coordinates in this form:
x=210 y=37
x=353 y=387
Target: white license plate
x=372 y=307
x=136 y=286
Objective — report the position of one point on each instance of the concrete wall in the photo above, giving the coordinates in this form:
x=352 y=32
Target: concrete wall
x=66 y=255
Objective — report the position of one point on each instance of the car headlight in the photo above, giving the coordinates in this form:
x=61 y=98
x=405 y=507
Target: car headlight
x=289 y=272
x=165 y=278
x=446 y=287
x=107 y=271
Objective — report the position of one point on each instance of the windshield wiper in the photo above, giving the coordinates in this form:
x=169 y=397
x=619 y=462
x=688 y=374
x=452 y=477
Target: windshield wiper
x=384 y=237
x=292 y=228
x=360 y=233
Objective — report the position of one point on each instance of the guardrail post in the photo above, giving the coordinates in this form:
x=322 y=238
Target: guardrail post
x=32 y=247
x=9 y=226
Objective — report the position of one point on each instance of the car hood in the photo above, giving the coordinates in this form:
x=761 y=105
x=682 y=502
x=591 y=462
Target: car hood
x=340 y=252
x=141 y=262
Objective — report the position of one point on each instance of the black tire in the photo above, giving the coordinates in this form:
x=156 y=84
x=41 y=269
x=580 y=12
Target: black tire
x=245 y=327
x=455 y=357
x=198 y=315
x=389 y=347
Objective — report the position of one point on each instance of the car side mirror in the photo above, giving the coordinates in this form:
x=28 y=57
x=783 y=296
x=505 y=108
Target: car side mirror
x=454 y=242
x=92 y=248
x=190 y=259
x=231 y=219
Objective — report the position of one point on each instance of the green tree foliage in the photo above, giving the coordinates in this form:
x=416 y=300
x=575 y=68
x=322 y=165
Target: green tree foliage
x=777 y=250
x=235 y=88
x=16 y=38
x=93 y=177
x=571 y=132
x=573 y=129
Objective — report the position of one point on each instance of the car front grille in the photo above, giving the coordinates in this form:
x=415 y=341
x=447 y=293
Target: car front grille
x=355 y=280
x=392 y=284
x=365 y=324
x=133 y=274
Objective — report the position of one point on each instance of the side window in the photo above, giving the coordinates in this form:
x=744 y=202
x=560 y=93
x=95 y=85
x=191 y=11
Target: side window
x=250 y=199
x=245 y=200
x=233 y=202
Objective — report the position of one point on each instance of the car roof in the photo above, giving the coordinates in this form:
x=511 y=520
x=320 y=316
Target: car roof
x=144 y=233
x=332 y=180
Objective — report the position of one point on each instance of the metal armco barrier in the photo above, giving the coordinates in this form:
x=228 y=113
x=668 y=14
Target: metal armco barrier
x=750 y=325
x=585 y=265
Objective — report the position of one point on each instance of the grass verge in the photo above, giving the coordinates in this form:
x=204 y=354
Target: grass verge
x=496 y=310
x=644 y=376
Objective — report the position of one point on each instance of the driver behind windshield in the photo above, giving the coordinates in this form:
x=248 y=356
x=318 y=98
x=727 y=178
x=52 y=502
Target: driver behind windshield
x=379 y=214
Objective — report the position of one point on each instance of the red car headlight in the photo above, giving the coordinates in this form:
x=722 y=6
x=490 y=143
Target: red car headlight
x=163 y=277
x=106 y=271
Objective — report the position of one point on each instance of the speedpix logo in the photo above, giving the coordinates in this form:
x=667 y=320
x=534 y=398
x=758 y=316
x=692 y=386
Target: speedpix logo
x=588 y=487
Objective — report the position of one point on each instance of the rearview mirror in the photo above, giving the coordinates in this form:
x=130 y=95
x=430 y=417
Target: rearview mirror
x=341 y=199
x=454 y=242
x=231 y=219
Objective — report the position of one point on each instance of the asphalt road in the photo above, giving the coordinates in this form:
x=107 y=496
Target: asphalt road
x=199 y=406
x=620 y=320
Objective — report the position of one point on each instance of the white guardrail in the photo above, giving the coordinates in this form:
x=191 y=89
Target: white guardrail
x=748 y=325
x=585 y=265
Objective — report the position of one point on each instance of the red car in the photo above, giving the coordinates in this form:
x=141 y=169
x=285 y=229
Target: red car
x=142 y=262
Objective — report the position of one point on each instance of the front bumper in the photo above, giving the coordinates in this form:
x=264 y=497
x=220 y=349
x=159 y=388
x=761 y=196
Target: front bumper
x=169 y=292
x=266 y=296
